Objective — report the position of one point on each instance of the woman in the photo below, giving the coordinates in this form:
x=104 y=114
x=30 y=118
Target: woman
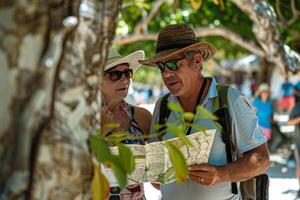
x=135 y=120
x=263 y=109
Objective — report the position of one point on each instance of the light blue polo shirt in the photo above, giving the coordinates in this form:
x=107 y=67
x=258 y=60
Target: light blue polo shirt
x=246 y=136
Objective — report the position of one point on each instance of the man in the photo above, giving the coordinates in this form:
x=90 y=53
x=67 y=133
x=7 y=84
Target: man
x=179 y=57
x=294 y=119
x=287 y=102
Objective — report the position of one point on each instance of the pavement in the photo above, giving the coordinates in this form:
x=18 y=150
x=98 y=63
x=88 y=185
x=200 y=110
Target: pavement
x=283 y=181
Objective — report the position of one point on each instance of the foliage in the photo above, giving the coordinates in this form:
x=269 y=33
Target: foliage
x=289 y=32
x=100 y=186
x=123 y=163
x=209 y=14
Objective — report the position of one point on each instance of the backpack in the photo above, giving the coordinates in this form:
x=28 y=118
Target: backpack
x=255 y=188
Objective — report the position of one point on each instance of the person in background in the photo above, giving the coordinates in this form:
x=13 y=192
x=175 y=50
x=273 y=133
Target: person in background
x=294 y=119
x=135 y=120
x=179 y=57
x=263 y=107
x=287 y=102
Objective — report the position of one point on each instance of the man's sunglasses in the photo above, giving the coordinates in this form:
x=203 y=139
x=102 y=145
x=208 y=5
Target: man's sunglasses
x=171 y=65
x=117 y=75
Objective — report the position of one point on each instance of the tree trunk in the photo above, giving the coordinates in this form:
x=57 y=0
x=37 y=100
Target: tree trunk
x=50 y=72
x=266 y=31
x=265 y=72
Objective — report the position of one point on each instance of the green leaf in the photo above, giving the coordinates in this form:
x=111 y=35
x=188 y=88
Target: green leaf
x=117 y=136
x=158 y=126
x=219 y=127
x=119 y=171
x=112 y=125
x=126 y=158
x=176 y=130
x=178 y=162
x=188 y=116
x=179 y=131
x=101 y=148
x=205 y=114
x=176 y=107
x=198 y=127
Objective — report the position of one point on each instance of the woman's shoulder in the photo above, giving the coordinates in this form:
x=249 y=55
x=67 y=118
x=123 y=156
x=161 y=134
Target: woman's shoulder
x=142 y=111
x=143 y=118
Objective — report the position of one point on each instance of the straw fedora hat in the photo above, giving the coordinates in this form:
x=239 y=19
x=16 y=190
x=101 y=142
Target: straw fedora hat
x=114 y=59
x=176 y=39
x=264 y=87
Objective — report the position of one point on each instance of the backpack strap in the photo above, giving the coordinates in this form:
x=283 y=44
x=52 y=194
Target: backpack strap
x=221 y=100
x=164 y=113
x=224 y=119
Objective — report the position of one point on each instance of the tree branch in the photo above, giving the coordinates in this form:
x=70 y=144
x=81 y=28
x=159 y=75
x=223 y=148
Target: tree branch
x=231 y=36
x=267 y=34
x=295 y=13
x=144 y=23
x=200 y=32
x=282 y=20
x=278 y=11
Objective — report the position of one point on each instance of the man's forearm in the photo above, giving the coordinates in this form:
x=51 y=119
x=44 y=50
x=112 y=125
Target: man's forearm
x=252 y=163
x=294 y=121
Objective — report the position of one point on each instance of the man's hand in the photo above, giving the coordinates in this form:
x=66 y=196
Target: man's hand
x=207 y=174
x=253 y=163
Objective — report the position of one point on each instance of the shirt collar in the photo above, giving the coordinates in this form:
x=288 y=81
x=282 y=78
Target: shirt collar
x=212 y=93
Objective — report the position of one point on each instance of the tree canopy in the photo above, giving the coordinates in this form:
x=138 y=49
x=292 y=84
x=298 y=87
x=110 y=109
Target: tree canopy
x=230 y=28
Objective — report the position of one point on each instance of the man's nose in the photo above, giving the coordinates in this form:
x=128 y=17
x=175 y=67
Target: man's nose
x=167 y=73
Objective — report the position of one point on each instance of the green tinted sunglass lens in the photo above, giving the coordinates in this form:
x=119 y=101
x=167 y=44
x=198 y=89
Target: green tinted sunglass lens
x=172 y=65
x=161 y=66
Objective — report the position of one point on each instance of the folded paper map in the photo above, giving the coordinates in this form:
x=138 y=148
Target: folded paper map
x=152 y=161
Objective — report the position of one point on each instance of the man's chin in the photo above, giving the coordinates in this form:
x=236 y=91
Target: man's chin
x=175 y=92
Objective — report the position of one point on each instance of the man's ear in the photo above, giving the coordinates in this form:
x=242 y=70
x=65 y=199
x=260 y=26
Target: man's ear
x=198 y=59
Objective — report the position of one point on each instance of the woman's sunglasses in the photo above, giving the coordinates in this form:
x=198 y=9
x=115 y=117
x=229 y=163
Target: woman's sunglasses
x=117 y=75
x=171 y=65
